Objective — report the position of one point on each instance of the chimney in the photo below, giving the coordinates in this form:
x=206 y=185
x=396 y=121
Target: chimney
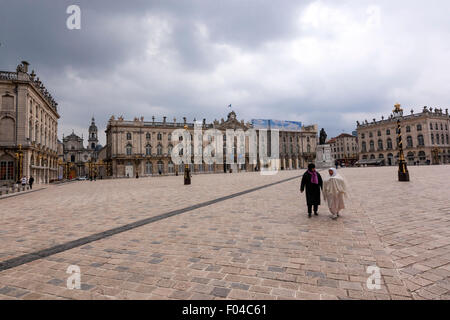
x=164 y=119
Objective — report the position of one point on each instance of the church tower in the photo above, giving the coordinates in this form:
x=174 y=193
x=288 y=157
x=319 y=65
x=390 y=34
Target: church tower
x=93 y=137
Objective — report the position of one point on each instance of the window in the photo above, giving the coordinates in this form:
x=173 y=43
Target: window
x=6 y=170
x=422 y=156
x=308 y=148
x=370 y=135
x=148 y=167
x=431 y=126
x=159 y=136
x=436 y=126
x=388 y=132
x=380 y=144
x=171 y=167
x=446 y=138
x=442 y=139
x=148 y=150
x=420 y=140
x=389 y=144
x=170 y=148
x=128 y=136
x=379 y=133
x=159 y=150
x=372 y=145
x=372 y=156
x=148 y=136
x=363 y=146
x=72 y=158
x=408 y=129
x=437 y=138
x=419 y=127
x=160 y=167
x=432 y=139
x=442 y=127
x=169 y=137
x=363 y=136
x=129 y=149
x=409 y=142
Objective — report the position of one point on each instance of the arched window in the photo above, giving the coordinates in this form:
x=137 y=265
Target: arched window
x=419 y=127
x=372 y=145
x=372 y=156
x=437 y=138
x=159 y=149
x=442 y=139
x=169 y=149
x=380 y=144
x=148 y=167
x=409 y=142
x=420 y=140
x=363 y=146
x=148 y=136
x=128 y=136
x=432 y=139
x=381 y=156
x=148 y=150
x=422 y=156
x=171 y=167
x=389 y=143
x=160 y=167
x=129 y=149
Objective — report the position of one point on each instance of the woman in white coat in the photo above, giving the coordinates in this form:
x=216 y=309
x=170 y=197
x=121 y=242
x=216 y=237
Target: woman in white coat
x=334 y=191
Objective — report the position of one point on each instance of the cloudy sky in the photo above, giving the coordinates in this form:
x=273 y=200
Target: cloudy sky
x=326 y=62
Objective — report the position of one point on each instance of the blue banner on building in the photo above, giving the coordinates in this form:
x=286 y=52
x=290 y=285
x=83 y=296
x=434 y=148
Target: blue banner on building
x=281 y=125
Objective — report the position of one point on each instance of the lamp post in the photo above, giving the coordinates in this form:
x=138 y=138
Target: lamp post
x=403 y=174
x=19 y=156
x=187 y=173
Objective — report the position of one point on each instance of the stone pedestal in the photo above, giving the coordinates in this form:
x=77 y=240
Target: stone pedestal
x=324 y=160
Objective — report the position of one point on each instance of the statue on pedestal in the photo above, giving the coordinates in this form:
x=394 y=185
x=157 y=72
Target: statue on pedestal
x=323 y=136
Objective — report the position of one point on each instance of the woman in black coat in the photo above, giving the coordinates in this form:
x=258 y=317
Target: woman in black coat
x=312 y=182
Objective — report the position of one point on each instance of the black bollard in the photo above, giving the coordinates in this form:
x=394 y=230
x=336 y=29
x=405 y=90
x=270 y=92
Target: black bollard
x=187 y=176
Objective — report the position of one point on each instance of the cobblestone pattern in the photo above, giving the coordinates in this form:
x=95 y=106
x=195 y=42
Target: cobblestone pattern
x=258 y=246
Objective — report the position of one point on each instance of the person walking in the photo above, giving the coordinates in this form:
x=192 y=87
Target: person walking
x=312 y=182
x=24 y=181
x=30 y=182
x=334 y=191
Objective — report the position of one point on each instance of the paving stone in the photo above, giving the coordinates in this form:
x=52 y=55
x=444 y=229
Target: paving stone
x=256 y=245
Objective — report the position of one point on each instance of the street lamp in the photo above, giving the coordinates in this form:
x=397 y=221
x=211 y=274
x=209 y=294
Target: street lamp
x=403 y=174
x=187 y=173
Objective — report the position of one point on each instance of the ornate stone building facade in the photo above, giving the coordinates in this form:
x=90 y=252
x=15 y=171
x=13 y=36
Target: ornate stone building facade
x=344 y=149
x=28 y=128
x=77 y=156
x=145 y=147
x=425 y=138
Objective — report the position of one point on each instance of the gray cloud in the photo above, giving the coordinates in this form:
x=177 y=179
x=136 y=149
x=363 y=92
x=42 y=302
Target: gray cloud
x=315 y=61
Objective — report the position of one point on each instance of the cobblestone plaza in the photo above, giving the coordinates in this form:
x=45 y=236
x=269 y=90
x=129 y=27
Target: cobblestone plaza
x=232 y=236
